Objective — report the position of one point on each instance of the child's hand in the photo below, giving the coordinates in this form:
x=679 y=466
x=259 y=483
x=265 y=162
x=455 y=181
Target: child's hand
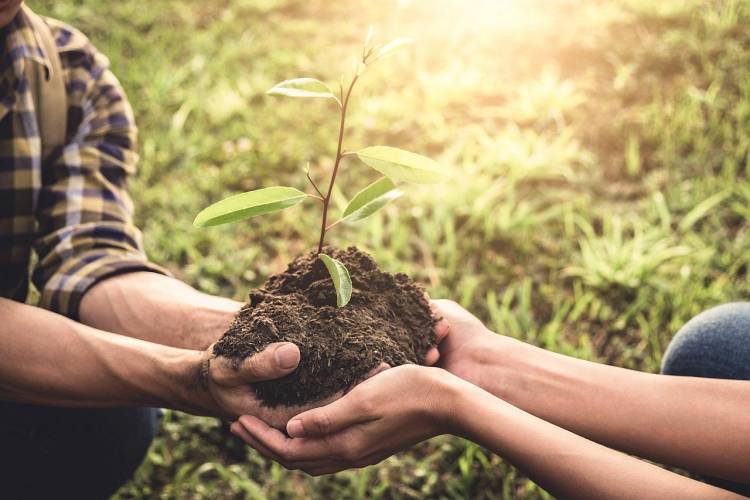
x=386 y=413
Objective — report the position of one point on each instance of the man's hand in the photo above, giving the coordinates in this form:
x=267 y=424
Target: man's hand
x=226 y=386
x=386 y=413
x=50 y=360
x=231 y=392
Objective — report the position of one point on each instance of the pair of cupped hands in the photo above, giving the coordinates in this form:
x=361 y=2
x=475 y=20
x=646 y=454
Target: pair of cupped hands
x=394 y=408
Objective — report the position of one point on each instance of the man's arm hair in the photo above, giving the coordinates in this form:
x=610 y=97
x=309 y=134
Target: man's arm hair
x=49 y=359
x=157 y=308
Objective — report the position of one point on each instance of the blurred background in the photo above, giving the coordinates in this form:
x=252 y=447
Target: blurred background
x=598 y=192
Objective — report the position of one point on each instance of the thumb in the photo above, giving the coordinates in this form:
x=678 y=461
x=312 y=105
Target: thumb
x=383 y=366
x=275 y=361
x=329 y=419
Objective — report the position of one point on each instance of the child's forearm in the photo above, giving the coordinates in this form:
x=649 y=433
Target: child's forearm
x=698 y=424
x=564 y=463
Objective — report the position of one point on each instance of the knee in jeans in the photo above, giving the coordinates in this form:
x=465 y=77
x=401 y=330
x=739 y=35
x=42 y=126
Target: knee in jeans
x=707 y=346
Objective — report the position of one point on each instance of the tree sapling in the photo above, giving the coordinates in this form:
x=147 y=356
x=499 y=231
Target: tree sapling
x=395 y=164
x=387 y=318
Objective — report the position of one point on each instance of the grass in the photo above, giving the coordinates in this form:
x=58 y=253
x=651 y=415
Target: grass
x=597 y=197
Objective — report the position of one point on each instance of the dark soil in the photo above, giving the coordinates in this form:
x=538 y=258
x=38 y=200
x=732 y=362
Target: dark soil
x=387 y=320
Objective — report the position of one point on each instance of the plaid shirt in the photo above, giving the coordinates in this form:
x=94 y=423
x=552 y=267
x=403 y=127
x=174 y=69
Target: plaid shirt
x=73 y=212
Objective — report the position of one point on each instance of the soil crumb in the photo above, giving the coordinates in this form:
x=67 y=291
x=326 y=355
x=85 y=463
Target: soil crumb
x=387 y=320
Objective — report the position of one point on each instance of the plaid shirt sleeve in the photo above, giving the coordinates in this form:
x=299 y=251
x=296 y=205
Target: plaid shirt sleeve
x=86 y=232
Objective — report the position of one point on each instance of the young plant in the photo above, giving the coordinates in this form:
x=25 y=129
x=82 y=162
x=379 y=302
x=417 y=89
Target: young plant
x=395 y=165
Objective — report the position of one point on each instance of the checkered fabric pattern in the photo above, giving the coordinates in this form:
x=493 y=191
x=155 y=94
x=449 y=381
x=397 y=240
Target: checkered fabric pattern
x=72 y=209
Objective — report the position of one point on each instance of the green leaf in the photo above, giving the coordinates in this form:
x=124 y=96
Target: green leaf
x=371 y=199
x=390 y=47
x=401 y=165
x=341 y=280
x=250 y=204
x=303 y=87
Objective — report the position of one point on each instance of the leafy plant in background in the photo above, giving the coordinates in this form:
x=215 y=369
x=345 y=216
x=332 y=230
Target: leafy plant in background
x=629 y=258
x=395 y=164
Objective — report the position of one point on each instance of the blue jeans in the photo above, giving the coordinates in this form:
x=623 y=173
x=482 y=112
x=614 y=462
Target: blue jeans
x=714 y=344
x=48 y=452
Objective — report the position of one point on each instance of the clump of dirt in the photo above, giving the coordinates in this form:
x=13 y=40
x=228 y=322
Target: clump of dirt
x=387 y=320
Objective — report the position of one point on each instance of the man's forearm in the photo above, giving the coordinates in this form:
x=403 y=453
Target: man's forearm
x=698 y=424
x=566 y=464
x=51 y=360
x=159 y=309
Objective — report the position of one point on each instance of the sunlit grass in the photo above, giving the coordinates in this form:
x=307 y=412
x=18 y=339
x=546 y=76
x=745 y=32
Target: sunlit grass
x=597 y=193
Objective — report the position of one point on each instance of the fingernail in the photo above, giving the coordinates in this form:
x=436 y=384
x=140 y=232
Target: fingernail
x=294 y=428
x=287 y=356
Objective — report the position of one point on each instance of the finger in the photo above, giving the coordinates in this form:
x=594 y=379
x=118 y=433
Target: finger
x=320 y=468
x=266 y=452
x=323 y=471
x=442 y=327
x=378 y=456
x=328 y=419
x=334 y=466
x=328 y=463
x=380 y=368
x=270 y=438
x=291 y=450
x=275 y=361
x=241 y=433
x=432 y=357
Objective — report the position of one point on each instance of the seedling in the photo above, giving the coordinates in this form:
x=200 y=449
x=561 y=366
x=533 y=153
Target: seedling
x=395 y=165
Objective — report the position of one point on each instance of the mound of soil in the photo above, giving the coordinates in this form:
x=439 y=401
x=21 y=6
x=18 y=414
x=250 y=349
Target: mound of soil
x=387 y=320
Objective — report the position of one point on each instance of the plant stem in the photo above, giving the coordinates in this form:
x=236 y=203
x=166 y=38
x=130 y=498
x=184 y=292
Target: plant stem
x=339 y=156
x=314 y=185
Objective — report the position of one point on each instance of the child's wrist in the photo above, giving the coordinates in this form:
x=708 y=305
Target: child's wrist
x=453 y=400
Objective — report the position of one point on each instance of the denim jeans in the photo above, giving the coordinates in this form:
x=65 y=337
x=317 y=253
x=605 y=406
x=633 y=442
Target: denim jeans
x=714 y=344
x=48 y=452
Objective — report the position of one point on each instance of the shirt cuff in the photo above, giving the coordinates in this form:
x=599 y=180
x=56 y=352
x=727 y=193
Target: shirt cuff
x=64 y=290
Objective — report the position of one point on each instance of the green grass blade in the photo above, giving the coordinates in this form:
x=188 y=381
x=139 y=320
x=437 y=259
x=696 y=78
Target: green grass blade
x=702 y=209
